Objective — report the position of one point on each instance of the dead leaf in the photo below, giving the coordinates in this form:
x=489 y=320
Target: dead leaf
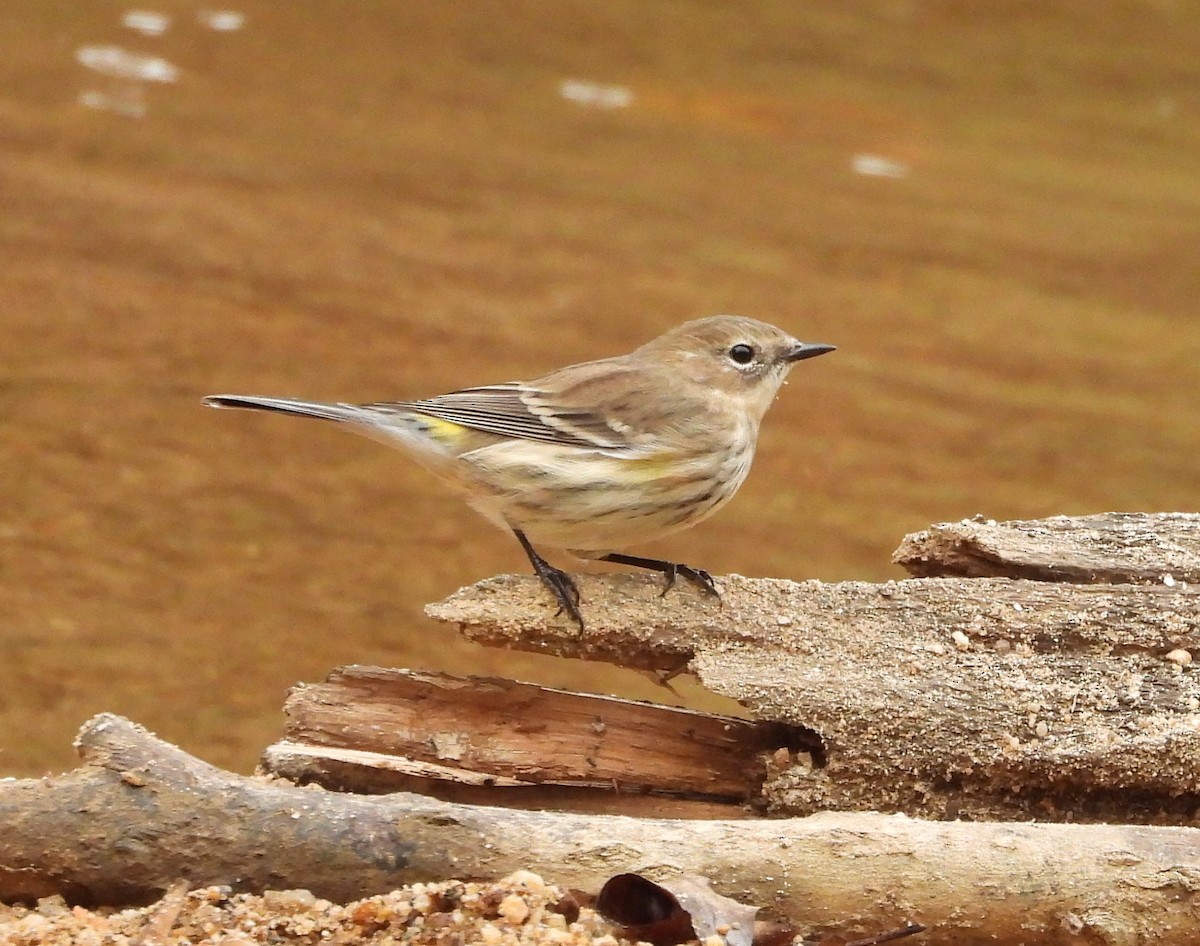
x=675 y=911
x=644 y=910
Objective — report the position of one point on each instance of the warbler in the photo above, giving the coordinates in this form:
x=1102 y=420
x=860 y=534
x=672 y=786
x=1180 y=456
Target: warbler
x=595 y=457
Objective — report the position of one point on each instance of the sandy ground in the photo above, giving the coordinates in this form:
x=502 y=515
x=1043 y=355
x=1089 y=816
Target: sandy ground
x=520 y=909
x=354 y=201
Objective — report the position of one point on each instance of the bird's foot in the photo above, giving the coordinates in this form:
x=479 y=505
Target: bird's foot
x=670 y=571
x=560 y=584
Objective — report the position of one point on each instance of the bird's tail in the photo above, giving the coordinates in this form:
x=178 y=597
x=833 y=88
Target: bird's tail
x=432 y=442
x=288 y=405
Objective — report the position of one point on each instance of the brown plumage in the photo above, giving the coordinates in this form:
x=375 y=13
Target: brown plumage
x=599 y=456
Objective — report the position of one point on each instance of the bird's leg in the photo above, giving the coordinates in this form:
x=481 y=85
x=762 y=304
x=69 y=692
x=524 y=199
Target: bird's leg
x=670 y=570
x=561 y=585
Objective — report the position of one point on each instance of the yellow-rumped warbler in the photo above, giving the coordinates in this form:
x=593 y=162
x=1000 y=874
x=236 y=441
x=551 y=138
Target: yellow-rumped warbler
x=597 y=456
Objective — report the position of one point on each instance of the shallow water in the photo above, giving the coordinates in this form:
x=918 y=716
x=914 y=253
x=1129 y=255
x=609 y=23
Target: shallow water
x=992 y=209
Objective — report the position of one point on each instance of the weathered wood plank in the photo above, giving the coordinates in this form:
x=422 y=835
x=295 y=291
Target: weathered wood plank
x=941 y=697
x=404 y=725
x=1110 y=548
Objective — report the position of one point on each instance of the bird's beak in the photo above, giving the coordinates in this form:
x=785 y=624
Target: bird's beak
x=802 y=350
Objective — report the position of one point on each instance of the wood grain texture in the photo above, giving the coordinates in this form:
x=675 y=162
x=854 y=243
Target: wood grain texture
x=375 y=729
x=986 y=697
x=1112 y=548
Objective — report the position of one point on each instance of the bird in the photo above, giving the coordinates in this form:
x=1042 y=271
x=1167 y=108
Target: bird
x=598 y=456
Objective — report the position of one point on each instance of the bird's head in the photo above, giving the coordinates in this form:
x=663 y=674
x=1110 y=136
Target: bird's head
x=746 y=359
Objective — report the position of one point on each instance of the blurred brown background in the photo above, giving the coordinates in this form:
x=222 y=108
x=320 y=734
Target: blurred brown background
x=993 y=209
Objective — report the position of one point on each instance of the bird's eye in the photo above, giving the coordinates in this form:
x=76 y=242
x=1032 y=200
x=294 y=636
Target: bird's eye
x=742 y=354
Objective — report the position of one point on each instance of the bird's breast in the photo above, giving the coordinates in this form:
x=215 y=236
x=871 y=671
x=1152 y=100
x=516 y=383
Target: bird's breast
x=585 y=499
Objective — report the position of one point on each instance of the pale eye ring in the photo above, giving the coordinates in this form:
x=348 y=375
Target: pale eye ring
x=742 y=353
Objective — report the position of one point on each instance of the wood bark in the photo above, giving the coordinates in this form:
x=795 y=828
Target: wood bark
x=140 y=814
x=369 y=729
x=936 y=697
x=1112 y=547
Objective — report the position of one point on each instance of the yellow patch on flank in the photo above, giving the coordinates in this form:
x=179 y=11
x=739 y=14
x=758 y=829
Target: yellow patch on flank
x=444 y=431
x=645 y=469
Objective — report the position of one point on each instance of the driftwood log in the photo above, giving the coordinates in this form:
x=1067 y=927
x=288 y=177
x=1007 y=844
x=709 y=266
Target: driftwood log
x=982 y=697
x=140 y=814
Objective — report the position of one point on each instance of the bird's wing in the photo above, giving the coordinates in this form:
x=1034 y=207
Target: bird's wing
x=520 y=410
